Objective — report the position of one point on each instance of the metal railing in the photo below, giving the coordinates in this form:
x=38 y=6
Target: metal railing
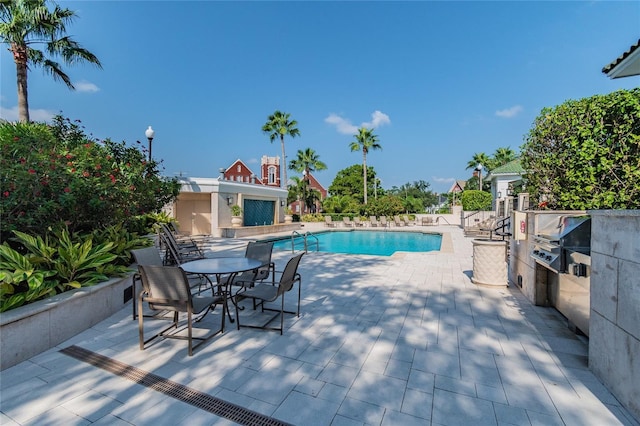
x=305 y=237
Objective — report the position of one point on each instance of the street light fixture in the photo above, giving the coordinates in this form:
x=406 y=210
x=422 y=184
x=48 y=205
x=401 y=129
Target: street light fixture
x=479 y=169
x=150 y=133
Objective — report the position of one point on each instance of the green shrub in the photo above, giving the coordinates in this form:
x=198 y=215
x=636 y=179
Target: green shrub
x=123 y=242
x=51 y=174
x=312 y=217
x=59 y=262
x=475 y=200
x=585 y=154
x=387 y=205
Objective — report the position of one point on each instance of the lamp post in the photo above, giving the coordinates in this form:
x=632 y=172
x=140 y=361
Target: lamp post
x=149 y=133
x=479 y=169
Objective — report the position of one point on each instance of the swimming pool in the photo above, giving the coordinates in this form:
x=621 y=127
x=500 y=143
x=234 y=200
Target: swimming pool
x=380 y=243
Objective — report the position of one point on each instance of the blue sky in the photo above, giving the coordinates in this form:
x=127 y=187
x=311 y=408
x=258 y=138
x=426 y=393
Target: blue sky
x=439 y=81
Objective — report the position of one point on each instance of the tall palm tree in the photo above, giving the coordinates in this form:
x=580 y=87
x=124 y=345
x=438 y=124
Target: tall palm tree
x=25 y=23
x=365 y=141
x=307 y=161
x=480 y=158
x=277 y=126
x=502 y=156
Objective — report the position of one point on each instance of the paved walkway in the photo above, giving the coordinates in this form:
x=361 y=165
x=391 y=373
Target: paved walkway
x=394 y=341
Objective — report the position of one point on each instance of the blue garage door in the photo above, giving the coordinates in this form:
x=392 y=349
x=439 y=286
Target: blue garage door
x=258 y=212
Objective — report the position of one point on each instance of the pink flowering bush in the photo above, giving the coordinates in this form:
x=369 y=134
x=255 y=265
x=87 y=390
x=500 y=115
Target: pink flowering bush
x=55 y=174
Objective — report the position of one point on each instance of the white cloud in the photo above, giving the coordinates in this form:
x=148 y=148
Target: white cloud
x=11 y=114
x=344 y=126
x=509 y=112
x=86 y=87
x=378 y=118
x=443 y=180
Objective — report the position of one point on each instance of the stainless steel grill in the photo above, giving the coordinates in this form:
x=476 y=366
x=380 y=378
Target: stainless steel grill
x=557 y=234
x=562 y=246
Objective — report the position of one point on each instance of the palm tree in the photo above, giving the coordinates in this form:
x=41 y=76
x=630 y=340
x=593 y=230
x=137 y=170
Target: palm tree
x=25 y=23
x=365 y=141
x=307 y=161
x=502 y=156
x=301 y=191
x=480 y=158
x=277 y=126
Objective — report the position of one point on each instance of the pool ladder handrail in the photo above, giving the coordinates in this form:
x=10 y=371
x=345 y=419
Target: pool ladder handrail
x=306 y=243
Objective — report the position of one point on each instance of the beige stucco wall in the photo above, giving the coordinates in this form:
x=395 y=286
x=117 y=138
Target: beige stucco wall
x=203 y=208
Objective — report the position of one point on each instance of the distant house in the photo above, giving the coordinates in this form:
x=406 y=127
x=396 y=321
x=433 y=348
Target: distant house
x=500 y=178
x=626 y=65
x=297 y=206
x=240 y=172
x=458 y=186
x=269 y=172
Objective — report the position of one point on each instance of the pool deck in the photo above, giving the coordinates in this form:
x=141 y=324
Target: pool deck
x=399 y=340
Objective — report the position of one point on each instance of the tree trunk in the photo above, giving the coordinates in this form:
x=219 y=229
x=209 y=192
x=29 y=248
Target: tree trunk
x=20 y=58
x=283 y=166
x=364 y=174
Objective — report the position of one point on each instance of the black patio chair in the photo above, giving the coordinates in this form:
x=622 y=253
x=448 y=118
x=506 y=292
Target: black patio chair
x=263 y=293
x=166 y=288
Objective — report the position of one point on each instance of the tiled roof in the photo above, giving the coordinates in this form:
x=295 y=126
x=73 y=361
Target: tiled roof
x=511 y=168
x=611 y=67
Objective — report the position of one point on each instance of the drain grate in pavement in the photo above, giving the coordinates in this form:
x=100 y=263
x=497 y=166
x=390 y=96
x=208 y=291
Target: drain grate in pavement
x=175 y=390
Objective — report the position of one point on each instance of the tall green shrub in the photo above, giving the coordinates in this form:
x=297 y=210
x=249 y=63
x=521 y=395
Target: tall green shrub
x=585 y=154
x=55 y=173
x=475 y=200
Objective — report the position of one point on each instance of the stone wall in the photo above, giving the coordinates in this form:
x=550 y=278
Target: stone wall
x=34 y=328
x=614 y=339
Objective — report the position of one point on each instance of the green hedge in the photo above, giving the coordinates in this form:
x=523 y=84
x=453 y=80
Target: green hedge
x=51 y=174
x=585 y=154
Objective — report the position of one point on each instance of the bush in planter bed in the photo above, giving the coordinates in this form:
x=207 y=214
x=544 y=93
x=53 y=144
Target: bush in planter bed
x=55 y=173
x=60 y=262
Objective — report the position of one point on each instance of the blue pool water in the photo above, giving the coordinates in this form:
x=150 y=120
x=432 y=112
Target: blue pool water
x=380 y=243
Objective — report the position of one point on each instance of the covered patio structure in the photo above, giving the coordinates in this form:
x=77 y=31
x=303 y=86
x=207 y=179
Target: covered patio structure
x=204 y=205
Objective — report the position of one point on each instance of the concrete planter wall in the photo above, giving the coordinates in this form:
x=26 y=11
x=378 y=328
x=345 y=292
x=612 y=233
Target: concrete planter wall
x=31 y=329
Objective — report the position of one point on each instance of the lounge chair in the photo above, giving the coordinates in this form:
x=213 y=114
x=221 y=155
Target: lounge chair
x=406 y=220
x=329 y=223
x=166 y=288
x=183 y=241
x=347 y=222
x=427 y=221
x=178 y=252
x=357 y=222
x=398 y=221
x=373 y=221
x=383 y=221
x=262 y=293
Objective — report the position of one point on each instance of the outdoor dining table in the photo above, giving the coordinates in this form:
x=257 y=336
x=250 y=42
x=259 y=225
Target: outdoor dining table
x=219 y=266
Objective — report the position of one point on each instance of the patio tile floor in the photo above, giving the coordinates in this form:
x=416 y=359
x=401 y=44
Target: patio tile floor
x=399 y=340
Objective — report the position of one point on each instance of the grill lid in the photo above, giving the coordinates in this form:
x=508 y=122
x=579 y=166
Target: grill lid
x=565 y=225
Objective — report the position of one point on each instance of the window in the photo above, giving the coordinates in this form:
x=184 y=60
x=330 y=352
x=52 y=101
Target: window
x=239 y=168
x=272 y=174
